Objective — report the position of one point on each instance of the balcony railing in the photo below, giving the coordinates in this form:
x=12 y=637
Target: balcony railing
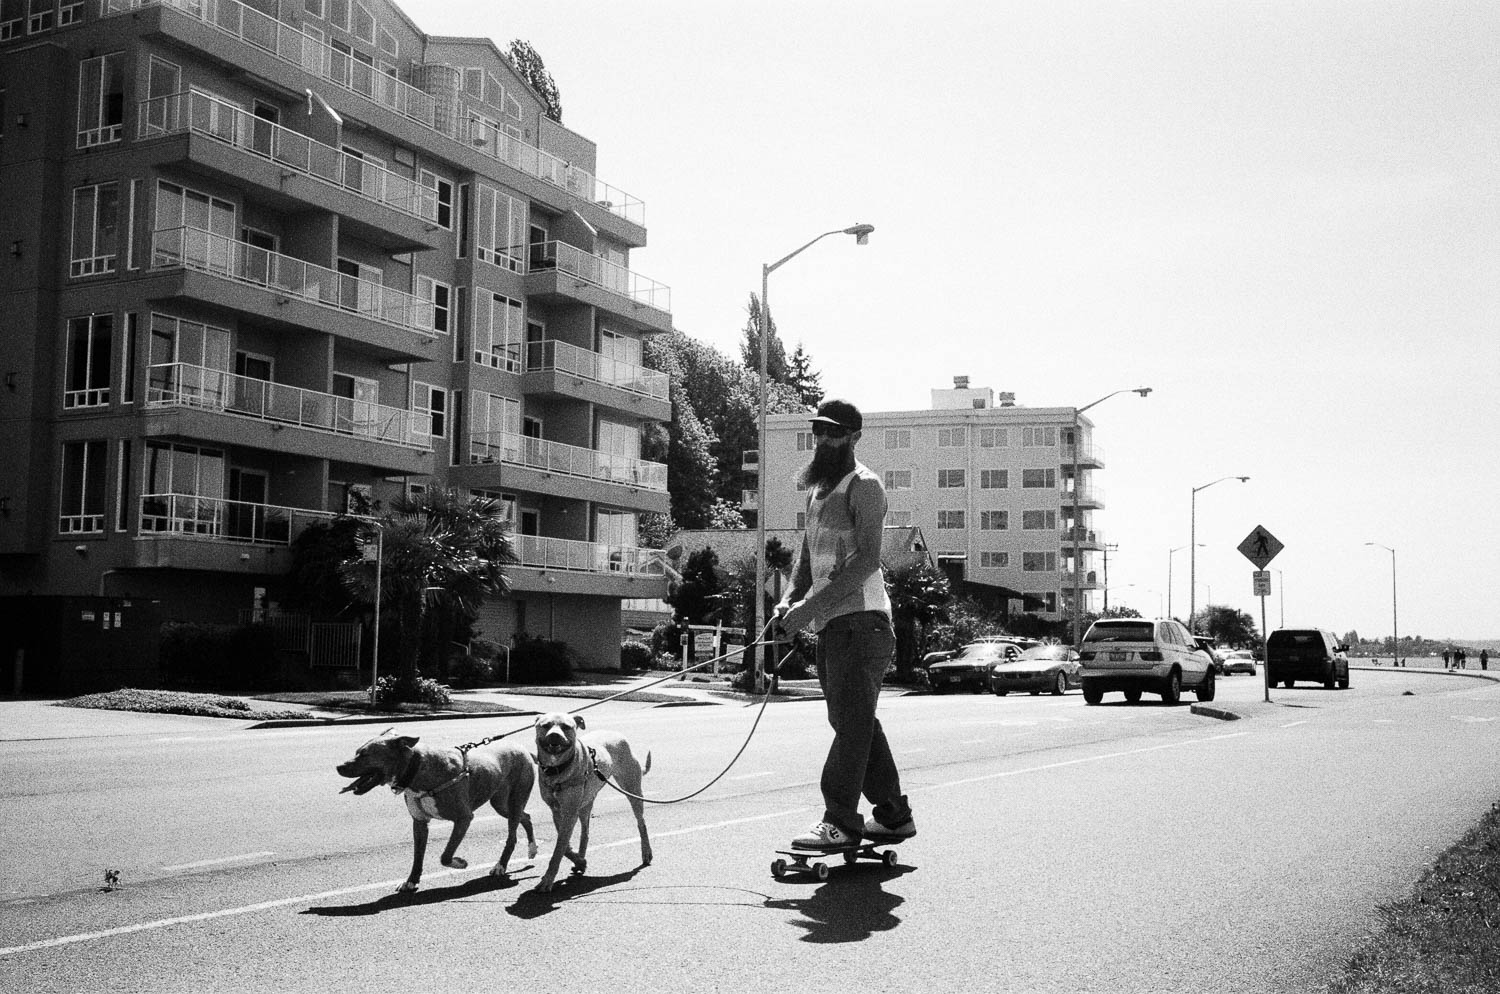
x=1083 y=535
x=566 y=460
x=234 y=260
x=589 y=557
x=1089 y=493
x=610 y=276
x=219 y=520
x=179 y=384
x=552 y=355
x=1087 y=452
x=202 y=114
x=291 y=45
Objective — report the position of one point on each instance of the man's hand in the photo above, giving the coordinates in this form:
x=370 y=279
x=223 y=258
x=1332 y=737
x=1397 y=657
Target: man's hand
x=792 y=619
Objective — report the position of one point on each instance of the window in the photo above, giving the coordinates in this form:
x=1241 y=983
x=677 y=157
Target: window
x=43 y=15
x=338 y=13
x=192 y=228
x=500 y=230
x=1039 y=520
x=101 y=100
x=1039 y=478
x=950 y=519
x=898 y=438
x=496 y=425
x=127 y=374
x=134 y=197
x=96 y=225
x=898 y=479
x=441 y=295
x=83 y=488
x=388 y=44
x=1039 y=437
x=180 y=350
x=994 y=560
x=951 y=438
x=430 y=405
x=1039 y=562
x=88 y=361
x=994 y=479
x=806 y=442
x=499 y=327
x=363 y=23
x=443 y=189
x=950 y=479
x=898 y=519
x=463 y=220
x=994 y=521
x=122 y=488
x=994 y=438
x=314 y=8
x=801 y=520
x=1048 y=599
x=12 y=19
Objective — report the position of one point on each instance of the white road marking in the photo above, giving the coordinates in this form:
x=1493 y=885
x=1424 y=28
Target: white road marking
x=970 y=742
x=1470 y=718
x=1294 y=724
x=217 y=862
x=752 y=776
x=1075 y=762
x=910 y=752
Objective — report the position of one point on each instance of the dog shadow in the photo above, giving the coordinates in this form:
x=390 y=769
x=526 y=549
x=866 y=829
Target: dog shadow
x=848 y=907
x=534 y=903
x=468 y=889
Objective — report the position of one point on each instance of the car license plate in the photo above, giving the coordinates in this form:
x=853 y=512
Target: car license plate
x=1118 y=657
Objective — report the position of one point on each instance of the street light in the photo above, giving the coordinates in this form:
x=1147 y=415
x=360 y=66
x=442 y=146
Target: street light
x=1077 y=563
x=1170 y=554
x=861 y=233
x=1193 y=550
x=1395 y=636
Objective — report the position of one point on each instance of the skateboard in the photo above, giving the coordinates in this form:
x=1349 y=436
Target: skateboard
x=803 y=859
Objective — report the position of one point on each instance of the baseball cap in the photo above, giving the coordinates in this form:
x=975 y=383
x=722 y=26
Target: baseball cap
x=841 y=413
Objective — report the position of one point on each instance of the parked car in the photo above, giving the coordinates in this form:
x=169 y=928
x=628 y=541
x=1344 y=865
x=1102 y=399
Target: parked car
x=1239 y=661
x=1039 y=668
x=1207 y=645
x=970 y=665
x=1138 y=655
x=1314 y=654
x=1017 y=641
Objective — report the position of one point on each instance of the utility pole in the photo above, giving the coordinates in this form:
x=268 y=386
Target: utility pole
x=1108 y=548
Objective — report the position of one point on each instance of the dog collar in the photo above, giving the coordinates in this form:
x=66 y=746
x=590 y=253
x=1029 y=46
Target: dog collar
x=558 y=770
x=403 y=782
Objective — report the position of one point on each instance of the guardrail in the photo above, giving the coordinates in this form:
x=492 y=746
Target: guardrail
x=565 y=460
x=178 y=384
x=217 y=519
x=588 y=557
x=235 y=260
x=553 y=355
x=610 y=276
x=199 y=113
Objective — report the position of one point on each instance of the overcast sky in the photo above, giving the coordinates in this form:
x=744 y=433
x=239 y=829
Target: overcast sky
x=1280 y=216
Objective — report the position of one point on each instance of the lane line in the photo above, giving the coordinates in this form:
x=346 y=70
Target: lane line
x=1075 y=762
x=752 y=776
x=1294 y=724
x=217 y=862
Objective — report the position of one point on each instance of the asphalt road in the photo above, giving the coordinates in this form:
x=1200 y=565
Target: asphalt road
x=1062 y=848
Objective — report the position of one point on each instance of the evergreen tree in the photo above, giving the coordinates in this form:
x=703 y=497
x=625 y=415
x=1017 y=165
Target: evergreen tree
x=804 y=379
x=529 y=65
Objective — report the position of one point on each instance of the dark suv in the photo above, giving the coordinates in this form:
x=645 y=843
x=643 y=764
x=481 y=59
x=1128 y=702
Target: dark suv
x=1308 y=654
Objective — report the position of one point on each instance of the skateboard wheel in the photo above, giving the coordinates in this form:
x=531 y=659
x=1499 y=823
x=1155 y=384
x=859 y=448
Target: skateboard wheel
x=820 y=870
x=889 y=857
x=778 y=868
x=850 y=856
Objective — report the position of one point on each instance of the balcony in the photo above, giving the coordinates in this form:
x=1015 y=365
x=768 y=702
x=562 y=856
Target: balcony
x=557 y=269
x=554 y=367
x=1090 y=456
x=1088 y=539
x=1090 y=496
x=183 y=531
x=567 y=471
x=1089 y=580
x=223 y=140
x=217 y=405
x=277 y=280
x=564 y=566
x=290 y=45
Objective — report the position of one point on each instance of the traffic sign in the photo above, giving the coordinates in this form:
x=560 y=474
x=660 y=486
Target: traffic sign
x=1262 y=582
x=1260 y=547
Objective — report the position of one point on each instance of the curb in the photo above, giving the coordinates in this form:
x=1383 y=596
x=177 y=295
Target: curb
x=393 y=719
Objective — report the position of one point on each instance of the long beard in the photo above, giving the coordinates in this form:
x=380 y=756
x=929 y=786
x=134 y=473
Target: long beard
x=829 y=465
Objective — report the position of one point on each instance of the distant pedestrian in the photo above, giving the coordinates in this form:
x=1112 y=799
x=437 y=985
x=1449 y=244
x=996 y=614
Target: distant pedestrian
x=1460 y=659
x=1446 y=656
x=1484 y=659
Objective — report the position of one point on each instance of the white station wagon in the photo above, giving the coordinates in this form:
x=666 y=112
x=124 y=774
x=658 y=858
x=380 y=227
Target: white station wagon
x=1137 y=655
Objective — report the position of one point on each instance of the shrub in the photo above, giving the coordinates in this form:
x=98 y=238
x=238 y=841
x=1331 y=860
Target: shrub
x=393 y=690
x=540 y=661
x=634 y=656
x=217 y=657
x=471 y=670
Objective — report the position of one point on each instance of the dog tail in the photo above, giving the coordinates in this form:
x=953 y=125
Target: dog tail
x=646 y=767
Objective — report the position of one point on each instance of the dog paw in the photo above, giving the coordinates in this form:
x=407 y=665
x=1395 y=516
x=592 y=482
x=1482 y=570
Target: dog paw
x=546 y=885
x=499 y=870
x=532 y=854
x=456 y=863
x=407 y=888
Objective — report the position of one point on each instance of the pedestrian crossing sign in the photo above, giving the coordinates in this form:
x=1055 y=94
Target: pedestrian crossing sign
x=1260 y=547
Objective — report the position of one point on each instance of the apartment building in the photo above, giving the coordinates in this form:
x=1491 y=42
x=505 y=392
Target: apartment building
x=991 y=486
x=264 y=262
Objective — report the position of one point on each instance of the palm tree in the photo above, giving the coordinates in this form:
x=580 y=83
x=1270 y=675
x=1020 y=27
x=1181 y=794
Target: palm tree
x=442 y=554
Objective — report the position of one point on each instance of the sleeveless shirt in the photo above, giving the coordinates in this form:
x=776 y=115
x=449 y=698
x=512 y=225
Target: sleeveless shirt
x=832 y=542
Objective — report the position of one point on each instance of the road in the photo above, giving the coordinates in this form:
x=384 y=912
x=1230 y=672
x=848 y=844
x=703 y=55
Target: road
x=1062 y=848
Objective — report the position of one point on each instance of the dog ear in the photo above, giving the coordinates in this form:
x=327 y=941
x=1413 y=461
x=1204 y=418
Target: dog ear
x=578 y=720
x=405 y=741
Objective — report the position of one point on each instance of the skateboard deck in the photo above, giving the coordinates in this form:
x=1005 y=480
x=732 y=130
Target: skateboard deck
x=807 y=861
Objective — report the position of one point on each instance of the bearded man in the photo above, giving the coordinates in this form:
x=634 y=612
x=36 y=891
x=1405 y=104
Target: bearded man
x=838 y=591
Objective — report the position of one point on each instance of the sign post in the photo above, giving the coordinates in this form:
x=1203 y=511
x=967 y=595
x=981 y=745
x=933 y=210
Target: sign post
x=1260 y=547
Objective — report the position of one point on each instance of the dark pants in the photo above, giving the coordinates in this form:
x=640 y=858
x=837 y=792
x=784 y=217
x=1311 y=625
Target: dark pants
x=853 y=653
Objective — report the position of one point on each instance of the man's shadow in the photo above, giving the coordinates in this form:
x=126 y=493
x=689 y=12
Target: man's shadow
x=849 y=907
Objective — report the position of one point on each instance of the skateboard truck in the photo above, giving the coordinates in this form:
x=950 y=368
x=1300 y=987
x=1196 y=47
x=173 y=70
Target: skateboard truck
x=802 y=859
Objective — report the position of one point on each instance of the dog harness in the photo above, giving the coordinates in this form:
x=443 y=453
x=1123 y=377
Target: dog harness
x=422 y=803
x=556 y=772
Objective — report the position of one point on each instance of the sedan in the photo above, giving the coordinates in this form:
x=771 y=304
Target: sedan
x=1239 y=661
x=1042 y=667
x=970 y=666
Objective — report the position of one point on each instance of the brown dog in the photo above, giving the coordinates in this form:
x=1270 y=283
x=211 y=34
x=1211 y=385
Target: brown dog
x=574 y=767
x=450 y=785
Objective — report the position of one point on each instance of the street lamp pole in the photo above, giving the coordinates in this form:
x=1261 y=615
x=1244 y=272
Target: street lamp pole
x=1170 y=554
x=1281 y=588
x=1077 y=563
x=1193 y=547
x=861 y=233
x=1395 y=632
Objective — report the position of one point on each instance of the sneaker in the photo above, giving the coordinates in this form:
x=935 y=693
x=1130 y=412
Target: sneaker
x=905 y=830
x=824 y=836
